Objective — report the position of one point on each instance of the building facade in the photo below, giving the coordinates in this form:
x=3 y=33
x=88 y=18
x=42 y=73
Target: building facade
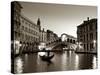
x=29 y=33
x=23 y=30
x=87 y=36
x=15 y=27
x=51 y=37
x=26 y=32
x=15 y=20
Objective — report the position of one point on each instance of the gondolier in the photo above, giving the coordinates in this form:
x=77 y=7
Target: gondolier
x=45 y=52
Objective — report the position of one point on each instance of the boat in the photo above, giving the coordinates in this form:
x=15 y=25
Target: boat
x=45 y=53
x=46 y=58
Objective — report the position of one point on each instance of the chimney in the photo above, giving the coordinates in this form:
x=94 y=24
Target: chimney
x=87 y=18
x=85 y=21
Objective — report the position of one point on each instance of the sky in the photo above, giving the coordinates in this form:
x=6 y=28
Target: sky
x=59 y=18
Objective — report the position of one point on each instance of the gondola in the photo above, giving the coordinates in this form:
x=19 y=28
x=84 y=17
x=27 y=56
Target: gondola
x=45 y=52
x=46 y=58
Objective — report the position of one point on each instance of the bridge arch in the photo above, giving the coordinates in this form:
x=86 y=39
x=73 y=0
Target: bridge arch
x=68 y=41
x=68 y=38
x=64 y=37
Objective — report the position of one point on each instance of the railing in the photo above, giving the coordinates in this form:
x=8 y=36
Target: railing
x=36 y=50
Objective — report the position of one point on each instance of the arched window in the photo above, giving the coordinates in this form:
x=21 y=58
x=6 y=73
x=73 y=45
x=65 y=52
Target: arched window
x=68 y=40
x=73 y=41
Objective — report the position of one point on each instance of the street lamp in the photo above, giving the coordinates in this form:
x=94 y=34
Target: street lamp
x=77 y=45
x=94 y=43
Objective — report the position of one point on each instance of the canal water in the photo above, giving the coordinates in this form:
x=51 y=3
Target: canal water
x=62 y=61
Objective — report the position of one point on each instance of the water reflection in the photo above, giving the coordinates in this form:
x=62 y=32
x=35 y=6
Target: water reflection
x=18 y=65
x=76 y=61
x=26 y=58
x=63 y=61
x=94 y=62
x=43 y=66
